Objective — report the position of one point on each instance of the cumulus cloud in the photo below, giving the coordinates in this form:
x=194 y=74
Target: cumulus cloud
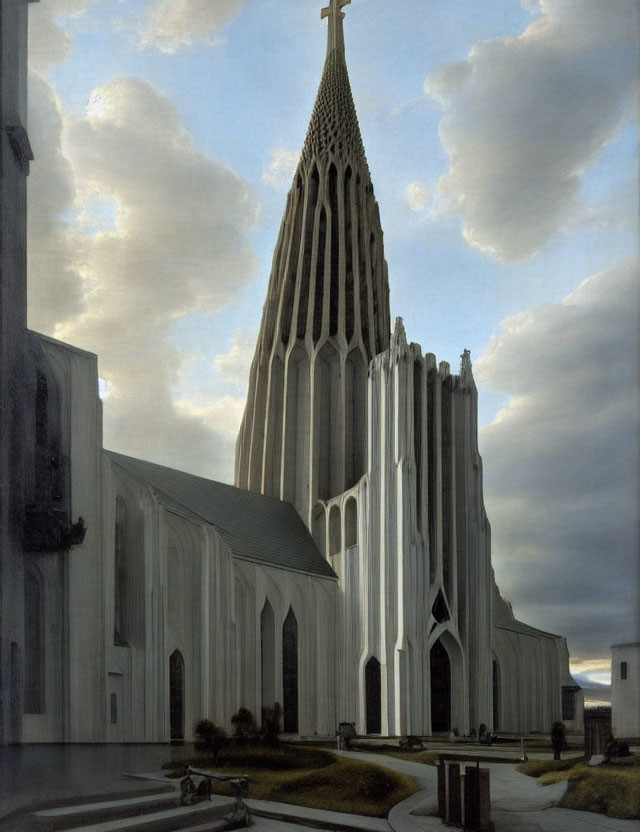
x=525 y=116
x=416 y=196
x=561 y=462
x=282 y=165
x=234 y=366
x=178 y=244
x=49 y=44
x=170 y=25
x=55 y=247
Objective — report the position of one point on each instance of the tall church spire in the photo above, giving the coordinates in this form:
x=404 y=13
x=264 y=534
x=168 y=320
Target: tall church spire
x=326 y=314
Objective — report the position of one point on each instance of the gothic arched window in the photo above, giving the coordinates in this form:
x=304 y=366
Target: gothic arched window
x=290 y=673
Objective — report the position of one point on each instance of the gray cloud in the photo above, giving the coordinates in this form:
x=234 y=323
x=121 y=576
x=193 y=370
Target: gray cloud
x=170 y=25
x=48 y=42
x=525 y=116
x=561 y=461
x=172 y=240
x=55 y=248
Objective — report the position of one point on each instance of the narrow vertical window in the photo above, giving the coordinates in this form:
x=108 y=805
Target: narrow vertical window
x=33 y=702
x=114 y=708
x=268 y=656
x=290 y=673
x=176 y=695
x=373 y=687
x=623 y=670
x=120 y=573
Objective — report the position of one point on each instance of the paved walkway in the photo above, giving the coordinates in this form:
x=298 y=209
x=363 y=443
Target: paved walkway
x=518 y=803
x=33 y=776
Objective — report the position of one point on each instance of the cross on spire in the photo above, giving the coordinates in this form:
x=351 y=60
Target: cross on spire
x=335 y=14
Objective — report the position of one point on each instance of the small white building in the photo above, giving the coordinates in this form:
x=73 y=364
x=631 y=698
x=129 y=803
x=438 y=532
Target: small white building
x=625 y=690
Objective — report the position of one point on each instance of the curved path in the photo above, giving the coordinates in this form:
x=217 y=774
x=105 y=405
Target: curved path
x=518 y=803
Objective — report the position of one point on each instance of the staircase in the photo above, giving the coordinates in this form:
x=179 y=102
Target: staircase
x=161 y=812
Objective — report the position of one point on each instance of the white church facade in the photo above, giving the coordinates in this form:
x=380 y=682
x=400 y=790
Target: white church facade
x=346 y=575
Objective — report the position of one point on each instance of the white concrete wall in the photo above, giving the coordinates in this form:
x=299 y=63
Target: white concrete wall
x=421 y=531
x=77 y=615
x=625 y=693
x=199 y=599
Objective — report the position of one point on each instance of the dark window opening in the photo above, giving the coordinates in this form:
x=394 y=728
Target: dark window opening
x=623 y=670
x=176 y=695
x=290 y=673
x=114 y=708
x=373 y=685
x=496 y=696
x=569 y=702
x=33 y=702
x=334 y=298
x=440 y=688
x=319 y=288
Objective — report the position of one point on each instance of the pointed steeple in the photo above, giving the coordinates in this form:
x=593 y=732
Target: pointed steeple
x=335 y=14
x=334 y=128
x=326 y=314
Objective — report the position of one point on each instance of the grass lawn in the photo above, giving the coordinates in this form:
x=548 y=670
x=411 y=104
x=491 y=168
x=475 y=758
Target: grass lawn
x=609 y=789
x=427 y=757
x=308 y=777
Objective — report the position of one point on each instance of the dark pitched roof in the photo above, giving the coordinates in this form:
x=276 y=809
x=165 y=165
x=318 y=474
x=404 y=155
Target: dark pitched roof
x=503 y=617
x=254 y=526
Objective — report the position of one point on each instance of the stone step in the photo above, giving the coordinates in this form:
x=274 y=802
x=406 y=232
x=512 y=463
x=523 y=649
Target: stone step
x=65 y=817
x=163 y=820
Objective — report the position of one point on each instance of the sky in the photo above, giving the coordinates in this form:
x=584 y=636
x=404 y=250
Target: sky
x=502 y=145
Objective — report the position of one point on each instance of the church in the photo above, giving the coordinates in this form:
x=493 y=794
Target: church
x=346 y=575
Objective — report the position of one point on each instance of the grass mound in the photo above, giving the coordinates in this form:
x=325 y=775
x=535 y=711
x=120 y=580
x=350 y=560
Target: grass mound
x=345 y=786
x=427 y=757
x=538 y=768
x=609 y=790
x=284 y=758
x=307 y=777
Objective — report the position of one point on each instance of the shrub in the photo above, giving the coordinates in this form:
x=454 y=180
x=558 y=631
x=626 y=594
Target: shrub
x=616 y=748
x=271 y=725
x=209 y=739
x=245 y=729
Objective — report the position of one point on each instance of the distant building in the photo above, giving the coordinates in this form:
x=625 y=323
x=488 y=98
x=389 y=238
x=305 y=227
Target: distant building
x=625 y=691
x=348 y=573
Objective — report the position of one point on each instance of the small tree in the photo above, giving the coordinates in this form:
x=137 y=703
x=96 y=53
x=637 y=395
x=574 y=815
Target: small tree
x=245 y=730
x=271 y=725
x=209 y=739
x=557 y=739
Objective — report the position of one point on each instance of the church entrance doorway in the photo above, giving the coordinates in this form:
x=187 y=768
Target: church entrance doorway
x=374 y=696
x=440 y=688
x=176 y=695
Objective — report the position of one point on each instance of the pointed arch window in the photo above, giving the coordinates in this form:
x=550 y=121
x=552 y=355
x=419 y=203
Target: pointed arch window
x=290 y=673
x=268 y=655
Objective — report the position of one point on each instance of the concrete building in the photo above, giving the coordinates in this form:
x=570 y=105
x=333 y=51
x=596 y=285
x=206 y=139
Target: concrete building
x=625 y=691
x=347 y=575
